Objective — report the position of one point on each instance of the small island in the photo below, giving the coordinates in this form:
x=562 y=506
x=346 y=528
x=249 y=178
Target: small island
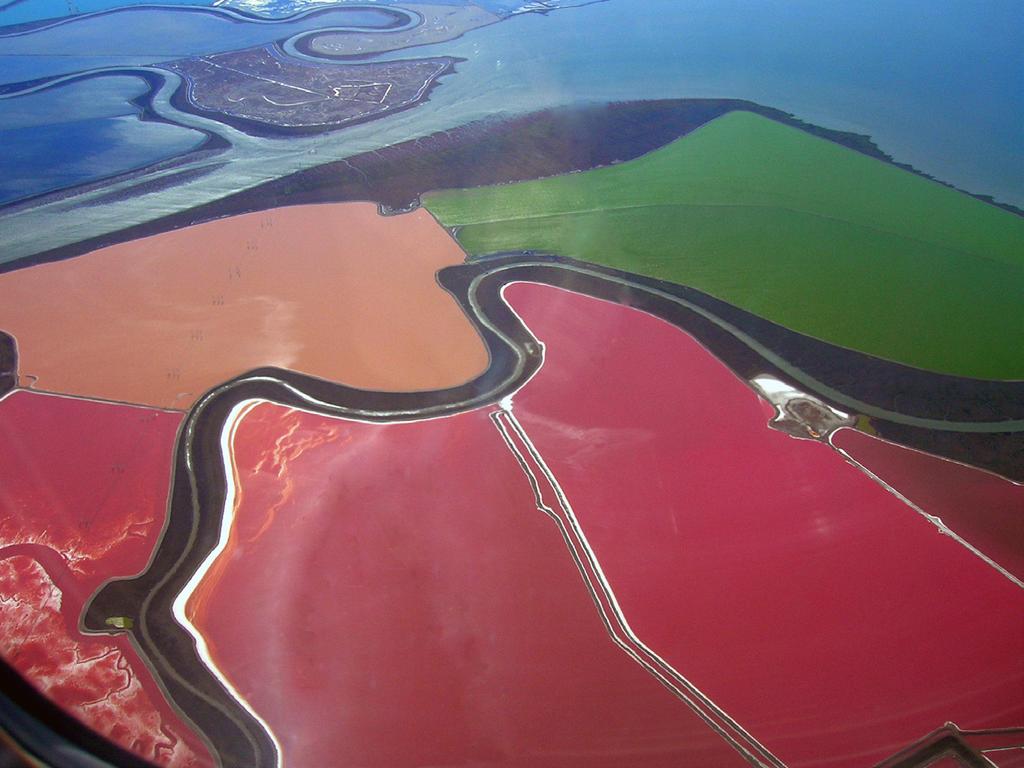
x=264 y=92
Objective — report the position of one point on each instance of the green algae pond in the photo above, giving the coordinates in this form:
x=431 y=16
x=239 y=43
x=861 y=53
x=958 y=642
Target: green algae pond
x=793 y=227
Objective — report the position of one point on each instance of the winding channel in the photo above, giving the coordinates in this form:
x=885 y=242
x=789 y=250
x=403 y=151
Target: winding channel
x=200 y=488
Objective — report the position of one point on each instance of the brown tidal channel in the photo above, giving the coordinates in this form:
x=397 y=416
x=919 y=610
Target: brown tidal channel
x=334 y=291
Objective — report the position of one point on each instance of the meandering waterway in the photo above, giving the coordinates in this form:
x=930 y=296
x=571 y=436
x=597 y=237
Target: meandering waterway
x=943 y=91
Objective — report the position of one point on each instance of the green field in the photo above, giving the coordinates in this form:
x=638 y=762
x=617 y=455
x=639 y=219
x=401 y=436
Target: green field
x=795 y=228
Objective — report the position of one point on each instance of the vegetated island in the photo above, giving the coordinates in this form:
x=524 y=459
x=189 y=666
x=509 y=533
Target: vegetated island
x=265 y=92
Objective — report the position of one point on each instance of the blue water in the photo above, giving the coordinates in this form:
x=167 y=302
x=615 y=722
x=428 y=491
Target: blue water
x=85 y=100
x=24 y=11
x=140 y=36
x=939 y=87
x=80 y=133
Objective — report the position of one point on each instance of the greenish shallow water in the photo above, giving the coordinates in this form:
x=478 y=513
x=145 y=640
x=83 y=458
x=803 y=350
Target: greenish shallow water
x=794 y=228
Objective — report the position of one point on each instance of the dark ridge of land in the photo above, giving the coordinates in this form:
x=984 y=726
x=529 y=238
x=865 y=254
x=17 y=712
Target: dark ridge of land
x=999 y=452
x=891 y=387
x=884 y=384
x=492 y=151
x=205 y=151
x=8 y=363
x=505 y=150
x=599 y=135
x=486 y=152
x=199 y=484
x=156 y=185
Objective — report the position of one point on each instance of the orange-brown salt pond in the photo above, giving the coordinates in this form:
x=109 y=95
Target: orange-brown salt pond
x=334 y=291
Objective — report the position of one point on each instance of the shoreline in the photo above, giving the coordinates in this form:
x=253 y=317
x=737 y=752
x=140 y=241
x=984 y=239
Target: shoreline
x=200 y=484
x=492 y=151
x=180 y=101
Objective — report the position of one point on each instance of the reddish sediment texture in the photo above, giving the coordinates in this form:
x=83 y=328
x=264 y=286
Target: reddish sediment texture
x=830 y=619
x=98 y=680
x=1007 y=759
x=333 y=291
x=83 y=494
x=390 y=593
x=392 y=596
x=984 y=509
